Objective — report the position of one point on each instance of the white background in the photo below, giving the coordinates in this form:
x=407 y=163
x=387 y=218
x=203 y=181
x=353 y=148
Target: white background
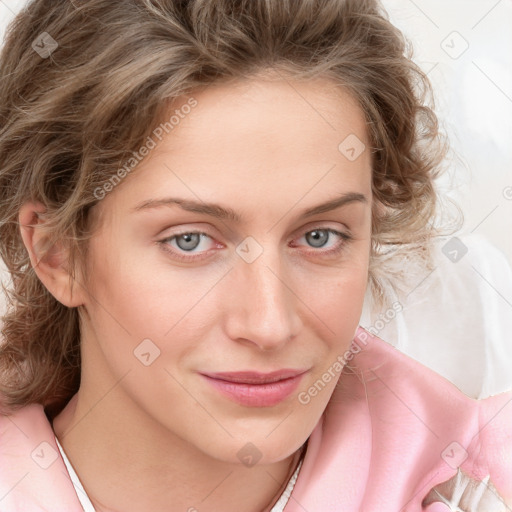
x=474 y=100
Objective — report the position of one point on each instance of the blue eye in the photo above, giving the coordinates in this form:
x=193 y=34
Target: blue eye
x=192 y=245
x=188 y=241
x=182 y=243
x=320 y=237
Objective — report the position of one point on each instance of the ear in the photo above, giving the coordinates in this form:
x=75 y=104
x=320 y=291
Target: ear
x=50 y=268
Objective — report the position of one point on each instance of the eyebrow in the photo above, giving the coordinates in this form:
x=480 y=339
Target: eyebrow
x=226 y=213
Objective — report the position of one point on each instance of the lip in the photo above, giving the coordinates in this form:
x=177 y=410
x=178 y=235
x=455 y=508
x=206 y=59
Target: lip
x=255 y=389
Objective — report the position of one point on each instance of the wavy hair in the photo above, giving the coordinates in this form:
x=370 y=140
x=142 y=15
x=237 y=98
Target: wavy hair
x=83 y=83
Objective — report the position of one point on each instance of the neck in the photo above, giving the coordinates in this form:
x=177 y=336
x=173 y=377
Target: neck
x=136 y=464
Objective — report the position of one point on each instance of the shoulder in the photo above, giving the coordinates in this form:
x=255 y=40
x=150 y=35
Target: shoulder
x=394 y=429
x=32 y=472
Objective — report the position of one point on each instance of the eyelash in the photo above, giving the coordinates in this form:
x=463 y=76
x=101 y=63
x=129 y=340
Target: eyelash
x=345 y=237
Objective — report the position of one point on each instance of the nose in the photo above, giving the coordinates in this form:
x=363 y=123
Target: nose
x=262 y=307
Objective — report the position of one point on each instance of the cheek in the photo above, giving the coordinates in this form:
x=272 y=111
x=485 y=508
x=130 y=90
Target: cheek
x=336 y=305
x=121 y=300
x=137 y=300
x=336 y=298
x=341 y=311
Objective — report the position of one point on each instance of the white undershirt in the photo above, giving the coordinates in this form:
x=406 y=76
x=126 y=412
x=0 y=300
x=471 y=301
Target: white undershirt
x=79 y=488
x=88 y=507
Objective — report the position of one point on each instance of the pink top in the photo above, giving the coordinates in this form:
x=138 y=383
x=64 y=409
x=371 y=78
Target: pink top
x=392 y=431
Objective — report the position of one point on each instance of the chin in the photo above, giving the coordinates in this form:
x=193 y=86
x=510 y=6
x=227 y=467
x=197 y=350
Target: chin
x=249 y=450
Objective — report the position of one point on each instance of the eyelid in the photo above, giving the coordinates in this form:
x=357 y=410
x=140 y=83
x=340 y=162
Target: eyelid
x=182 y=255
x=320 y=225
x=345 y=237
x=173 y=236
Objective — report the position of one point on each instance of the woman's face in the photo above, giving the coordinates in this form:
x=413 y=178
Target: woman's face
x=238 y=248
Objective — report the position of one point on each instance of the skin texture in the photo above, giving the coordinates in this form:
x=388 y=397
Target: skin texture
x=158 y=436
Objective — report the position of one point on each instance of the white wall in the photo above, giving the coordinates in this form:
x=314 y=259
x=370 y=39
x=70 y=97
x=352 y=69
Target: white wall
x=474 y=95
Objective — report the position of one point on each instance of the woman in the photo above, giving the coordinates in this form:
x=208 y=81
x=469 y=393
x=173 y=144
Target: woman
x=195 y=197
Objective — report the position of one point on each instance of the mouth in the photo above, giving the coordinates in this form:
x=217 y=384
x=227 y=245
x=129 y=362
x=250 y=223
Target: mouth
x=254 y=389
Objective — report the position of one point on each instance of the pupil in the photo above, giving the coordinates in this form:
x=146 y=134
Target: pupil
x=318 y=237
x=191 y=241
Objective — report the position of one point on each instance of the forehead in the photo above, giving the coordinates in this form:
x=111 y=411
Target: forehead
x=282 y=114
x=277 y=140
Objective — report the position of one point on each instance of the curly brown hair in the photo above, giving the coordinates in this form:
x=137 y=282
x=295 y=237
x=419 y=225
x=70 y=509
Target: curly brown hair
x=71 y=117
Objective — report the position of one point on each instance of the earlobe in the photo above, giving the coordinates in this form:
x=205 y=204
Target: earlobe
x=50 y=266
